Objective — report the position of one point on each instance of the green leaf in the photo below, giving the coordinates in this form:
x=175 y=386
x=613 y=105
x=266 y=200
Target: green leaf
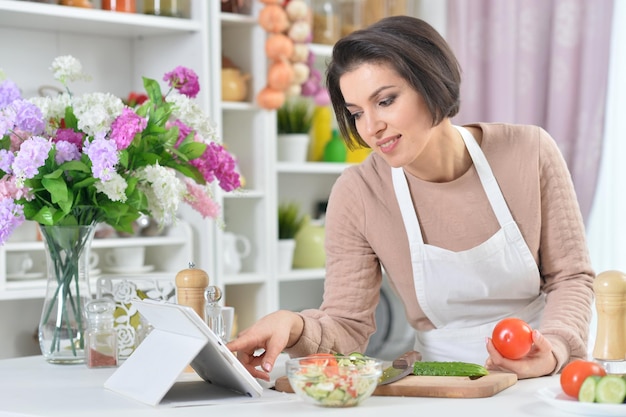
x=57 y=188
x=153 y=90
x=44 y=216
x=192 y=150
x=79 y=166
x=71 y=122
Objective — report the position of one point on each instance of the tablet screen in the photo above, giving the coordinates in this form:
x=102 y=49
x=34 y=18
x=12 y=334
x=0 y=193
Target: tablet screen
x=214 y=363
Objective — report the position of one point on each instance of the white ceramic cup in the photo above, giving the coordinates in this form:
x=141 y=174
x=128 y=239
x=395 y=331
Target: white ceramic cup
x=94 y=258
x=19 y=264
x=126 y=257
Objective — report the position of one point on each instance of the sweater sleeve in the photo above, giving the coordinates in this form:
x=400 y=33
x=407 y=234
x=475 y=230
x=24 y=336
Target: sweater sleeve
x=563 y=259
x=346 y=319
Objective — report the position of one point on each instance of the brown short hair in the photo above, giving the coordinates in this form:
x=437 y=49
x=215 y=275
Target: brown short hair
x=414 y=49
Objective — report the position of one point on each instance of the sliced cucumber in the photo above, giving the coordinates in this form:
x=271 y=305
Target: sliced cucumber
x=611 y=389
x=449 y=369
x=587 y=392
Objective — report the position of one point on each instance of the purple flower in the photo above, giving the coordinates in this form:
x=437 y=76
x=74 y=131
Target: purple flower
x=32 y=155
x=184 y=80
x=125 y=127
x=7 y=120
x=70 y=136
x=11 y=216
x=6 y=160
x=28 y=117
x=66 y=151
x=103 y=155
x=9 y=92
x=216 y=162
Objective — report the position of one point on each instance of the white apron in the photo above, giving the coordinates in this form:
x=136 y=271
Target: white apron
x=466 y=293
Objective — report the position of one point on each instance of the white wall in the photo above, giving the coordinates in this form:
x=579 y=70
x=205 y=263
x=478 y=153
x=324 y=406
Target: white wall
x=606 y=229
x=607 y=225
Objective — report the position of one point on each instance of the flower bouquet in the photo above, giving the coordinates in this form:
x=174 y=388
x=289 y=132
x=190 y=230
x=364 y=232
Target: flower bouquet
x=70 y=162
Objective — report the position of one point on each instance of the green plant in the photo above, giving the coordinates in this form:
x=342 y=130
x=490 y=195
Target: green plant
x=290 y=221
x=295 y=116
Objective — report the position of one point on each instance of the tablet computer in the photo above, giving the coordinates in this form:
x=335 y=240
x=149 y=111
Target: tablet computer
x=179 y=338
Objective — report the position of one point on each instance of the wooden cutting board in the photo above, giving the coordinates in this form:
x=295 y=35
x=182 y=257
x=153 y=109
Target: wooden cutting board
x=436 y=386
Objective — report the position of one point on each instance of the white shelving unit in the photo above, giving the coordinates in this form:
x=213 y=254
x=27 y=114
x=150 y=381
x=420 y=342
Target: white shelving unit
x=116 y=49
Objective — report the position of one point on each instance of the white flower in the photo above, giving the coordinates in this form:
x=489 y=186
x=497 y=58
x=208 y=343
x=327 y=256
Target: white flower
x=96 y=112
x=67 y=68
x=191 y=114
x=52 y=108
x=163 y=190
x=114 y=188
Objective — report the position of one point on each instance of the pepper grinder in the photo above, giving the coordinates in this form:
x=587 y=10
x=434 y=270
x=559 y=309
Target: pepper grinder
x=214 y=317
x=610 y=346
x=191 y=284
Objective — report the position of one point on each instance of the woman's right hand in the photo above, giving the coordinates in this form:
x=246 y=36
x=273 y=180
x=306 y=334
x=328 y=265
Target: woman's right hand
x=269 y=336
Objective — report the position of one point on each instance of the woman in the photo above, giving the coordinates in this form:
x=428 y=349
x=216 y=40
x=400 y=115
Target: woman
x=472 y=224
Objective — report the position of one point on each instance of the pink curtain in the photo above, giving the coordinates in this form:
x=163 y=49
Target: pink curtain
x=542 y=62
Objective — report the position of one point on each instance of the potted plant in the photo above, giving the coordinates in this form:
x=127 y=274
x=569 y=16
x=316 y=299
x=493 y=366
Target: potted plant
x=294 y=119
x=290 y=221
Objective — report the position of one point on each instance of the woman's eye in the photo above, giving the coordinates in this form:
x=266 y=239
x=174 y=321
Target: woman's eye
x=387 y=102
x=356 y=115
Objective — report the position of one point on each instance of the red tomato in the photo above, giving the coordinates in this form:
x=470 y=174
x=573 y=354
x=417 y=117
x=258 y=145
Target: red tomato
x=512 y=338
x=320 y=359
x=575 y=372
x=328 y=361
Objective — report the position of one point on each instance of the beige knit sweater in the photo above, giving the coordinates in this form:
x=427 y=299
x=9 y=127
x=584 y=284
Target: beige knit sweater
x=364 y=229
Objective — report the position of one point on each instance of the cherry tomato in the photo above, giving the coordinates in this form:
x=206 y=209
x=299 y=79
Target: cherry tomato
x=575 y=372
x=512 y=338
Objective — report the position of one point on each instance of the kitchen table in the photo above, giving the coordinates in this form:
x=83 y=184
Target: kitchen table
x=30 y=386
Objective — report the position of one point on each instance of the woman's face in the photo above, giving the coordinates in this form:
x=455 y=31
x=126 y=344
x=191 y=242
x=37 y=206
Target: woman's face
x=389 y=114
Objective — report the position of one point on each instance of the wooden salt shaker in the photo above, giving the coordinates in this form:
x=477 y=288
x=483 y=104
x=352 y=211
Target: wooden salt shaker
x=191 y=285
x=610 y=346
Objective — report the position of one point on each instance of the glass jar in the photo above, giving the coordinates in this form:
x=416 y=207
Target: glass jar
x=170 y=8
x=352 y=16
x=101 y=336
x=128 y=6
x=77 y=3
x=326 y=22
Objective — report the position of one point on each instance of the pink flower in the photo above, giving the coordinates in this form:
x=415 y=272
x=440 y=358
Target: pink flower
x=184 y=80
x=69 y=135
x=216 y=162
x=125 y=127
x=200 y=201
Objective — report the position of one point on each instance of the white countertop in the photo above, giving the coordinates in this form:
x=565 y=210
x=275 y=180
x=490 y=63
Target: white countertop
x=30 y=386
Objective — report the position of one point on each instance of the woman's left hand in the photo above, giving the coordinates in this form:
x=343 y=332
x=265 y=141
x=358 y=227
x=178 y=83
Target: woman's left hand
x=539 y=361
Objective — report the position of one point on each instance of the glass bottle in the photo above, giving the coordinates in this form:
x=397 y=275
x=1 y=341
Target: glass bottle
x=326 y=22
x=214 y=318
x=170 y=8
x=101 y=337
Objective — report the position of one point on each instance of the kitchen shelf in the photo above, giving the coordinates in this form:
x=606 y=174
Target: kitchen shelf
x=51 y=17
x=311 y=168
x=302 y=275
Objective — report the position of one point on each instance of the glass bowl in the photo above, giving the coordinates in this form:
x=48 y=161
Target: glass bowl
x=330 y=380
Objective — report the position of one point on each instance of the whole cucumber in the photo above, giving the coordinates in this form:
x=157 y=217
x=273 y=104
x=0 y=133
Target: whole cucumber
x=449 y=369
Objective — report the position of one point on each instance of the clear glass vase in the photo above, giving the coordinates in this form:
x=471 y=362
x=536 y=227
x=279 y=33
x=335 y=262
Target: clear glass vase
x=63 y=320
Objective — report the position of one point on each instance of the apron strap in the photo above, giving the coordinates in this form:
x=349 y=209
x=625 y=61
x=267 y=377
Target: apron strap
x=488 y=180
